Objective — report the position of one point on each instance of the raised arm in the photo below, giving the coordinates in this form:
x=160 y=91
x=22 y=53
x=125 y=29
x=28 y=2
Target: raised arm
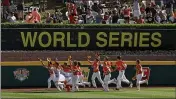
x=42 y=63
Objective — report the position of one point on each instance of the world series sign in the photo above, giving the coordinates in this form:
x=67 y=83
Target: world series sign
x=88 y=39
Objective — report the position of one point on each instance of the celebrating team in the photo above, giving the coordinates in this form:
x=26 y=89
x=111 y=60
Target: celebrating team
x=70 y=76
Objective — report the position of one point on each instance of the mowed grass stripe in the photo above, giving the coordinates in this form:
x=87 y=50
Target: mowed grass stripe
x=135 y=94
x=27 y=95
x=124 y=93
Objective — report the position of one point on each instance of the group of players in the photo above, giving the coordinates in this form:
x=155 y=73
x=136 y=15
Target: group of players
x=70 y=77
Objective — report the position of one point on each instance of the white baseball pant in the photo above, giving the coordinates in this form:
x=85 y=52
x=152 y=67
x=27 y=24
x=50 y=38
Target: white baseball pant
x=107 y=81
x=98 y=76
x=51 y=78
x=75 y=79
x=119 y=78
x=138 y=82
x=81 y=80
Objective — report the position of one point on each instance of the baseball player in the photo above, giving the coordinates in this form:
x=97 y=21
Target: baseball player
x=107 y=75
x=59 y=78
x=81 y=76
x=51 y=69
x=75 y=76
x=121 y=66
x=139 y=75
x=96 y=72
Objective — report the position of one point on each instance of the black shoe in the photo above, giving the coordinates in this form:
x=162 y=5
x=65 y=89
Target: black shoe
x=117 y=89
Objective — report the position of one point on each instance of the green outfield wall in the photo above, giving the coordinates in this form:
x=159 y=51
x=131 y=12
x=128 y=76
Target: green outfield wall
x=37 y=75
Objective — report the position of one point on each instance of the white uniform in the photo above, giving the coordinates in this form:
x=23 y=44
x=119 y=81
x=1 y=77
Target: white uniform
x=122 y=78
x=59 y=78
x=52 y=76
x=139 y=77
x=107 y=78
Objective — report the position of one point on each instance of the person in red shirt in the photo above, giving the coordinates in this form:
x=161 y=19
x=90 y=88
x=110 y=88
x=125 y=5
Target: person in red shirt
x=121 y=66
x=107 y=76
x=126 y=13
x=81 y=76
x=140 y=20
x=50 y=68
x=139 y=75
x=75 y=76
x=96 y=72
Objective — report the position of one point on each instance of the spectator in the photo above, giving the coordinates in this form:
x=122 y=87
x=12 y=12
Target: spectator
x=95 y=7
x=29 y=18
x=115 y=16
x=89 y=17
x=80 y=20
x=99 y=18
x=36 y=16
x=6 y=8
x=136 y=8
x=126 y=13
x=84 y=13
x=11 y=18
x=49 y=19
x=163 y=16
x=142 y=9
x=59 y=16
x=20 y=9
x=148 y=9
x=140 y=20
x=106 y=18
x=150 y=18
x=157 y=18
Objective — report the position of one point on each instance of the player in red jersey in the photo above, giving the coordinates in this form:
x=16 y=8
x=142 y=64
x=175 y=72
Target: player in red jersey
x=59 y=78
x=121 y=67
x=81 y=76
x=75 y=76
x=108 y=64
x=50 y=68
x=139 y=75
x=107 y=76
x=96 y=72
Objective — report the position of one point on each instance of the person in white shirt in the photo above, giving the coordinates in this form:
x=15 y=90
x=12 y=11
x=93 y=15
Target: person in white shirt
x=89 y=17
x=11 y=18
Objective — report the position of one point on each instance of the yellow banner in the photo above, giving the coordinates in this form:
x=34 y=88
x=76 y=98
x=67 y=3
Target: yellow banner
x=38 y=63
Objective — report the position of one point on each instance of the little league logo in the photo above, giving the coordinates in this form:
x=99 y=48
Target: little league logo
x=21 y=74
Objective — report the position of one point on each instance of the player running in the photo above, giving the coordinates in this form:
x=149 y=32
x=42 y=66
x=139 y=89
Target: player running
x=81 y=76
x=59 y=78
x=96 y=72
x=121 y=66
x=75 y=76
x=50 y=68
x=139 y=75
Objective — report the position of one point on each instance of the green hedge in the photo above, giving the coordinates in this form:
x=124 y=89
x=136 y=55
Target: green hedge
x=150 y=26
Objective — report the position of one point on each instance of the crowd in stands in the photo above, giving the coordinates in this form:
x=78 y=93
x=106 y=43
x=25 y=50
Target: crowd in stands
x=140 y=12
x=99 y=12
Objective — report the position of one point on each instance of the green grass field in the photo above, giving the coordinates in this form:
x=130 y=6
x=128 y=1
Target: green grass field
x=165 y=92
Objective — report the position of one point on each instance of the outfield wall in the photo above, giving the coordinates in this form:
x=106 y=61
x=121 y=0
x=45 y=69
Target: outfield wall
x=162 y=73
x=52 y=37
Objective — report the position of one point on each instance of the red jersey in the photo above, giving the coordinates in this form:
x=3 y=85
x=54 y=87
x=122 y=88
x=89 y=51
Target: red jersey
x=75 y=70
x=67 y=69
x=108 y=63
x=126 y=12
x=140 y=21
x=138 y=69
x=106 y=70
x=80 y=72
x=50 y=70
x=120 y=65
x=95 y=67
